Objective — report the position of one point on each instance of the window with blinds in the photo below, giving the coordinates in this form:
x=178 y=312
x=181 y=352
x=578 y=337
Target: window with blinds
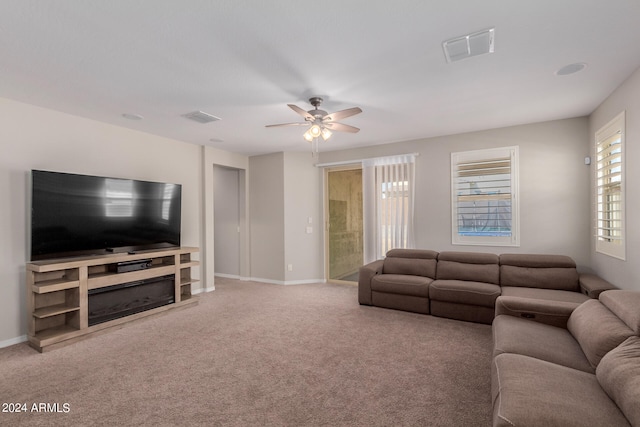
x=484 y=203
x=394 y=202
x=610 y=235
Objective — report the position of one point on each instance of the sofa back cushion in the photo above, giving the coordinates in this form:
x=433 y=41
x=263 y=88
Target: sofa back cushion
x=597 y=330
x=416 y=262
x=619 y=375
x=469 y=266
x=539 y=271
x=625 y=305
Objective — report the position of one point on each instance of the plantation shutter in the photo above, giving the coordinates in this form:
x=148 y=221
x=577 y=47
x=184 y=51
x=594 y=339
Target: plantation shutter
x=609 y=188
x=483 y=197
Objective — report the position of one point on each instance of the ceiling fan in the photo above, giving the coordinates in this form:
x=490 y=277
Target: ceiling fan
x=321 y=122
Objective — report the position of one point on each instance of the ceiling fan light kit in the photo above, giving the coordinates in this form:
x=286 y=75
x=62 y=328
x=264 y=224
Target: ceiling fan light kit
x=321 y=122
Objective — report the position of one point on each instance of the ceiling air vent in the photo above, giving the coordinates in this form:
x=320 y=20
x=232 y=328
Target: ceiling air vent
x=201 y=117
x=470 y=45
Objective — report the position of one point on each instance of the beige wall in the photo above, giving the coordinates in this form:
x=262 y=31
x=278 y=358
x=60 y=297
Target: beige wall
x=266 y=212
x=38 y=138
x=285 y=191
x=302 y=200
x=625 y=274
x=554 y=185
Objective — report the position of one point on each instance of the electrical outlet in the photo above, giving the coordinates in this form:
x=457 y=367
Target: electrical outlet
x=290 y=267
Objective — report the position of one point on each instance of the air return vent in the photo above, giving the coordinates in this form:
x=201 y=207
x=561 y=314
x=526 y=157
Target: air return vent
x=470 y=45
x=201 y=117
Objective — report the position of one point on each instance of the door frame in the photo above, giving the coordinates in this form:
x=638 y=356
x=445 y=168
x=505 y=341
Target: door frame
x=325 y=198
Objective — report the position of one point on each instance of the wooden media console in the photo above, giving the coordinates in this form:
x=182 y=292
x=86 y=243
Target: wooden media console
x=58 y=291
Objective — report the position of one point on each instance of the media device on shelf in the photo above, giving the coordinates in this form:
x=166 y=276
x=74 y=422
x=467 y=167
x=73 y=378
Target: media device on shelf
x=126 y=266
x=76 y=215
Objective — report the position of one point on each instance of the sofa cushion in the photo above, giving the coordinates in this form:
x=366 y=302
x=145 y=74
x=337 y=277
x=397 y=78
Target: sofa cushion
x=537 y=260
x=539 y=271
x=400 y=302
x=413 y=253
x=533 y=392
x=554 y=313
x=625 y=305
x=544 y=294
x=401 y=284
x=597 y=330
x=545 y=278
x=619 y=375
x=465 y=312
x=545 y=342
x=464 y=292
x=475 y=267
x=417 y=262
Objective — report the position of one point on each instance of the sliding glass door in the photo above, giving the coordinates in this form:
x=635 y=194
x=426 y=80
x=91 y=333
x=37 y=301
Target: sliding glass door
x=343 y=207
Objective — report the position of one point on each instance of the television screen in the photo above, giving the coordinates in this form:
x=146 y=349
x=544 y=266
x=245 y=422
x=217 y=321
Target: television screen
x=73 y=215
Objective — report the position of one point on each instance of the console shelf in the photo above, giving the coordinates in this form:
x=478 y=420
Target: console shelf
x=57 y=291
x=53 y=310
x=47 y=286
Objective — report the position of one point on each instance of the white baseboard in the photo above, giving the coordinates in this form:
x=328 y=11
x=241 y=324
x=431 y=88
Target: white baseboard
x=287 y=282
x=227 y=276
x=12 y=341
x=269 y=281
x=202 y=291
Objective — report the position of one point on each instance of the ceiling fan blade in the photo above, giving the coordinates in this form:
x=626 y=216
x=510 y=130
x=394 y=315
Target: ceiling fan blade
x=341 y=127
x=288 y=124
x=342 y=114
x=300 y=111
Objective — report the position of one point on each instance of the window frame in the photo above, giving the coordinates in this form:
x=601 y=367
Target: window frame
x=487 y=155
x=605 y=244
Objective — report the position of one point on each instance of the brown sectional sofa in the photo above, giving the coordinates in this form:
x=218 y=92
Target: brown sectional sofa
x=566 y=346
x=465 y=285
x=586 y=373
x=400 y=281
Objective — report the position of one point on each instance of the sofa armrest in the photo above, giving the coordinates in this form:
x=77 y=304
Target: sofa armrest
x=554 y=313
x=365 y=274
x=592 y=285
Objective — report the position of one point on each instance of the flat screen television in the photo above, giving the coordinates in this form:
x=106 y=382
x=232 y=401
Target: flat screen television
x=76 y=215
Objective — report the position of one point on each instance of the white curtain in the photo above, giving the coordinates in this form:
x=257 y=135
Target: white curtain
x=388 y=198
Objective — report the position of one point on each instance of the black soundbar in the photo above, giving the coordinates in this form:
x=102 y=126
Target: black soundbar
x=126 y=266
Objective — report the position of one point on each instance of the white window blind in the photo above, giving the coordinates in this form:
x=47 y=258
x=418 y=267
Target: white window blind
x=388 y=185
x=484 y=197
x=610 y=232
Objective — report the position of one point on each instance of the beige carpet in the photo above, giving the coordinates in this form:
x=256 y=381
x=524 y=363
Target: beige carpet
x=253 y=354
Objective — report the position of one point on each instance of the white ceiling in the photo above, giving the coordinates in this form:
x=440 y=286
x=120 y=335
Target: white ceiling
x=244 y=60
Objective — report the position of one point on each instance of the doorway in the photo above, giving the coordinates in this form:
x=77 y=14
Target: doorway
x=344 y=213
x=227 y=221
